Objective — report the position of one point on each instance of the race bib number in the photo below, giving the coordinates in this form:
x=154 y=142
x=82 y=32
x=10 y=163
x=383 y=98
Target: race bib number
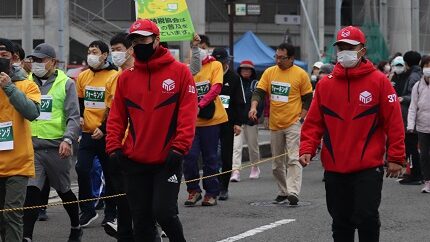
x=6 y=136
x=203 y=88
x=45 y=108
x=94 y=97
x=225 y=100
x=280 y=91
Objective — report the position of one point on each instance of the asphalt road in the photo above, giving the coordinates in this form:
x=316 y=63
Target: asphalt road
x=249 y=215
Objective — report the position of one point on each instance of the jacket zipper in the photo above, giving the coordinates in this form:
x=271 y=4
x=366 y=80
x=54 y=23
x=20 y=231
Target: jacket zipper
x=349 y=85
x=149 y=78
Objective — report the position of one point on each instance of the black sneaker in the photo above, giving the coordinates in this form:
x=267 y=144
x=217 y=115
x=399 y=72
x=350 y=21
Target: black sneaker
x=111 y=228
x=293 y=199
x=280 y=199
x=75 y=235
x=410 y=181
x=42 y=215
x=87 y=218
x=107 y=219
x=223 y=195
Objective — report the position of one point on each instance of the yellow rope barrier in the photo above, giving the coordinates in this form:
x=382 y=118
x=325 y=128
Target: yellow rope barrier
x=123 y=194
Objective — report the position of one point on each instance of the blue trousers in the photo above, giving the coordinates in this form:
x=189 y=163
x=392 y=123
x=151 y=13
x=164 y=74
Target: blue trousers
x=205 y=142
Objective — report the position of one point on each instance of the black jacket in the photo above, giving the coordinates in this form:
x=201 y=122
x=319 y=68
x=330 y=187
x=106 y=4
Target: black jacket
x=232 y=87
x=249 y=86
x=403 y=85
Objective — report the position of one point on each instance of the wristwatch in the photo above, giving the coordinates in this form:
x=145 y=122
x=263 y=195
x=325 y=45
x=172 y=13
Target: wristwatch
x=68 y=141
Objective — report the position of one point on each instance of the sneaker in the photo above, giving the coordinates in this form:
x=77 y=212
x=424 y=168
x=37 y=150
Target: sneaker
x=87 y=218
x=255 y=172
x=410 y=181
x=280 y=199
x=107 y=219
x=193 y=198
x=235 y=176
x=42 y=215
x=426 y=188
x=76 y=235
x=163 y=234
x=209 y=201
x=223 y=195
x=111 y=228
x=26 y=239
x=293 y=199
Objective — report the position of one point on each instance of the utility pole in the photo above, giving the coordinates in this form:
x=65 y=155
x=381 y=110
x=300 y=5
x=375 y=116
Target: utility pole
x=62 y=61
x=231 y=12
x=27 y=26
x=415 y=25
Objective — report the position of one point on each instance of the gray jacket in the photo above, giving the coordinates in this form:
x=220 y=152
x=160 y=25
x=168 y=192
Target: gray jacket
x=71 y=108
x=419 y=110
x=25 y=106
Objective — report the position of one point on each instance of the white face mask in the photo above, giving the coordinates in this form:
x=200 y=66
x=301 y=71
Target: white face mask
x=16 y=64
x=398 y=69
x=203 y=54
x=426 y=71
x=93 y=61
x=387 y=68
x=313 y=78
x=39 y=69
x=348 y=58
x=119 y=58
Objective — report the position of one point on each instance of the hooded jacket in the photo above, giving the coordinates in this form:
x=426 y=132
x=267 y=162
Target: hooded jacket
x=249 y=86
x=158 y=99
x=357 y=112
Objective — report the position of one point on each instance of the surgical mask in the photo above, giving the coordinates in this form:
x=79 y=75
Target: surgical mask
x=426 y=71
x=39 y=69
x=203 y=53
x=93 y=61
x=144 y=51
x=16 y=64
x=313 y=78
x=398 y=69
x=119 y=57
x=348 y=58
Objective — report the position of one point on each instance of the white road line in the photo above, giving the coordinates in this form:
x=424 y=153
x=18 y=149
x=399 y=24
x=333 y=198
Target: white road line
x=258 y=230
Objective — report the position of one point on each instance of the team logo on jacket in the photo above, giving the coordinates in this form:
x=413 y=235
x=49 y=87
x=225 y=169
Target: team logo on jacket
x=168 y=85
x=365 y=97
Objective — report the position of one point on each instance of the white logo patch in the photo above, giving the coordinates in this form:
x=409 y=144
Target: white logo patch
x=345 y=33
x=168 y=85
x=365 y=97
x=173 y=179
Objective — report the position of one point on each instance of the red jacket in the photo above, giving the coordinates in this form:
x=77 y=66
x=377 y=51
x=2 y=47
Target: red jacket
x=357 y=112
x=159 y=101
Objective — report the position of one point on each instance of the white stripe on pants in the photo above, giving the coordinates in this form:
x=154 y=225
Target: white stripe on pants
x=250 y=134
x=286 y=169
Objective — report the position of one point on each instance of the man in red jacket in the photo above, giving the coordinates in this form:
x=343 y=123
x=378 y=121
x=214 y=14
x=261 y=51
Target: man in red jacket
x=356 y=111
x=157 y=99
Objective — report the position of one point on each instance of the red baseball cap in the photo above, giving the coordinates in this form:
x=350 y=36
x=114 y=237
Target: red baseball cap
x=144 y=27
x=247 y=64
x=350 y=35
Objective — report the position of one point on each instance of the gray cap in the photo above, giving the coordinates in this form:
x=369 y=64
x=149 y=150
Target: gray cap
x=326 y=69
x=42 y=51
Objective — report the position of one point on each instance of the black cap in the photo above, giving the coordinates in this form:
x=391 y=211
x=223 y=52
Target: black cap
x=8 y=45
x=220 y=54
x=42 y=51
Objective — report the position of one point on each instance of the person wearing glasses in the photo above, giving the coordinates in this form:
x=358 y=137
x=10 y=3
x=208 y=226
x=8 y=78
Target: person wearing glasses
x=290 y=93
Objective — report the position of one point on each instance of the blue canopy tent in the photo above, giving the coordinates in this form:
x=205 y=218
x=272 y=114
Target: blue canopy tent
x=250 y=47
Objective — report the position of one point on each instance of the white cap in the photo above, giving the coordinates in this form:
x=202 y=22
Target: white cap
x=318 y=64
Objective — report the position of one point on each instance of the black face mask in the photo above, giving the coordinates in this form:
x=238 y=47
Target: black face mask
x=144 y=51
x=5 y=65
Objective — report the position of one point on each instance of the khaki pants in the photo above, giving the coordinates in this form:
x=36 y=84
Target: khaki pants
x=286 y=169
x=250 y=134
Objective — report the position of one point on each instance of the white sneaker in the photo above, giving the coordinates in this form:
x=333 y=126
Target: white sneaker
x=426 y=188
x=235 y=176
x=255 y=172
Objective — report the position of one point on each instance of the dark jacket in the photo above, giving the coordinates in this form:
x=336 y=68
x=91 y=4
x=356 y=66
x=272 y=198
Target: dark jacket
x=249 y=86
x=403 y=85
x=232 y=87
